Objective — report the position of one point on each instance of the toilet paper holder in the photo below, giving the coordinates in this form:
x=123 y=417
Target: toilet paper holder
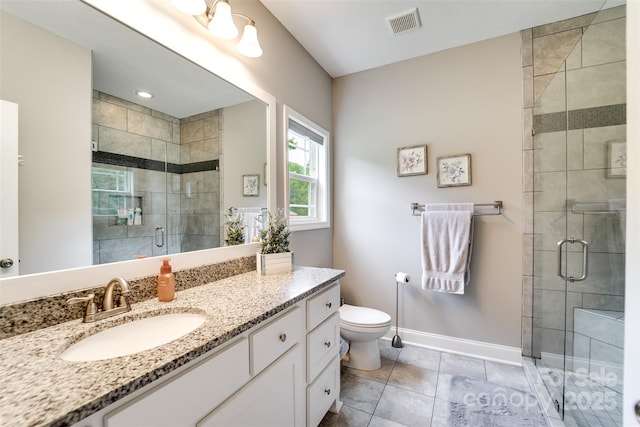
x=400 y=277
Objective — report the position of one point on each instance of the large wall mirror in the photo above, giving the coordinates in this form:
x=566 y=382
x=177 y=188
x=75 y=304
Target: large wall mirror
x=110 y=176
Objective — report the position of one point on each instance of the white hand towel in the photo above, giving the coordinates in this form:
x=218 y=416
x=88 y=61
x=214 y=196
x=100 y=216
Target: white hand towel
x=446 y=249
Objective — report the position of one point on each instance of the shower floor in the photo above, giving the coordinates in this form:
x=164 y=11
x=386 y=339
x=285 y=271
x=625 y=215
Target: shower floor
x=592 y=379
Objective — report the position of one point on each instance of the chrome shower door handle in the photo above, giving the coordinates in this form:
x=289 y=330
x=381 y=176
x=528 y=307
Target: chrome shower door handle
x=585 y=259
x=160 y=232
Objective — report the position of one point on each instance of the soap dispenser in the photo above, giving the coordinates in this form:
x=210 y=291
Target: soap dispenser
x=166 y=282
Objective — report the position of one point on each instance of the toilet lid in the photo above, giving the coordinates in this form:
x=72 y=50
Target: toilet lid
x=363 y=316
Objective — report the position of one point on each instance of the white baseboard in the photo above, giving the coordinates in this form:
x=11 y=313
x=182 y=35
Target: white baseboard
x=465 y=347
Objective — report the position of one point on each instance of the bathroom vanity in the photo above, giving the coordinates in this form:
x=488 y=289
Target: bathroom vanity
x=266 y=355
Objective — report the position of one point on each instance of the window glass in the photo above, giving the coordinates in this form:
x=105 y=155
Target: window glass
x=308 y=170
x=111 y=191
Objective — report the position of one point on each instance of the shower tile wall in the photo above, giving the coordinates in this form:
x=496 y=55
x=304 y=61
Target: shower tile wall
x=200 y=198
x=594 y=49
x=190 y=204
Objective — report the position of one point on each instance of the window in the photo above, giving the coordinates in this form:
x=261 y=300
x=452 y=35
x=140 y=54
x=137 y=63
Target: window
x=107 y=179
x=111 y=191
x=308 y=185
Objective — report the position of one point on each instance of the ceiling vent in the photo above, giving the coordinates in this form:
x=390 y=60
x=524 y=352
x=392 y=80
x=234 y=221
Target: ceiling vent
x=404 y=21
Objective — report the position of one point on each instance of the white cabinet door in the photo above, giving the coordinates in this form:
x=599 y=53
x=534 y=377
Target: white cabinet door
x=186 y=398
x=323 y=392
x=275 y=398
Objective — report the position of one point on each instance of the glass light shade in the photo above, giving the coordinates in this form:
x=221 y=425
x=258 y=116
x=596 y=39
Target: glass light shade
x=249 y=45
x=221 y=24
x=190 y=7
x=144 y=94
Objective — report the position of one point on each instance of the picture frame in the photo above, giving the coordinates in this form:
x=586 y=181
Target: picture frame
x=412 y=160
x=617 y=163
x=250 y=185
x=454 y=171
x=266 y=174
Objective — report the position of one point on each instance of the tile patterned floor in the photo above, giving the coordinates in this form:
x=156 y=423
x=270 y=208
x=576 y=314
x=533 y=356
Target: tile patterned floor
x=421 y=387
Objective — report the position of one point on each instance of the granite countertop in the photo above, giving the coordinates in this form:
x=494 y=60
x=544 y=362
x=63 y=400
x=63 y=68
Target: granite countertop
x=39 y=388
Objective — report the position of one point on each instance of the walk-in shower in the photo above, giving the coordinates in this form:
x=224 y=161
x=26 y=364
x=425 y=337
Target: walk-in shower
x=155 y=181
x=579 y=169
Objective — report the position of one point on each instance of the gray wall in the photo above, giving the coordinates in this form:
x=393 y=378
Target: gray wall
x=463 y=100
x=55 y=179
x=295 y=78
x=238 y=141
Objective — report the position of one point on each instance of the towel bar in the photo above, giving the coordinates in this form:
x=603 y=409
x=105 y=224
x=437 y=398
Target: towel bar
x=497 y=205
x=595 y=207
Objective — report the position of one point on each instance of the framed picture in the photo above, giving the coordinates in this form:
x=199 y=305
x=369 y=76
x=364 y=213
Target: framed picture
x=454 y=171
x=412 y=160
x=251 y=185
x=617 y=167
x=266 y=174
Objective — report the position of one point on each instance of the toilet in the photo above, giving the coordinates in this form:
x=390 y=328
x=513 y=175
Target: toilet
x=362 y=327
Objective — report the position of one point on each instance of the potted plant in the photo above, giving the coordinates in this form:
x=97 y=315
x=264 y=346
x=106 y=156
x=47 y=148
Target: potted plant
x=274 y=256
x=235 y=229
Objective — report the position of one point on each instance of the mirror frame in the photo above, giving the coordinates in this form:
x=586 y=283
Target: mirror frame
x=185 y=37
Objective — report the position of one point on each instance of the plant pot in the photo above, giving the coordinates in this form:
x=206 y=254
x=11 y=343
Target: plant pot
x=274 y=263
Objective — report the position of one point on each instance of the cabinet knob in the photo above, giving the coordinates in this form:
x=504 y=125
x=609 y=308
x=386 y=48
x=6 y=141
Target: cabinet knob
x=328 y=305
x=283 y=337
x=327 y=391
x=327 y=344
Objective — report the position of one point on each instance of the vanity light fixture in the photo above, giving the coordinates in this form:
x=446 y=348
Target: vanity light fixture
x=144 y=94
x=218 y=18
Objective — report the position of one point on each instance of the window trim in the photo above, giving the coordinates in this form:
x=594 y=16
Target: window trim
x=323 y=207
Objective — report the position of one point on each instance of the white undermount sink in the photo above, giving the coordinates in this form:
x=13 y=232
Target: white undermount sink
x=133 y=337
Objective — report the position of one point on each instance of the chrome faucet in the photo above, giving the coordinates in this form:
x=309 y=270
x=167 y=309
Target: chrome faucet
x=109 y=308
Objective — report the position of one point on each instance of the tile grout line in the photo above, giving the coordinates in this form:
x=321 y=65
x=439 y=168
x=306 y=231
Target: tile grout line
x=439 y=384
x=383 y=389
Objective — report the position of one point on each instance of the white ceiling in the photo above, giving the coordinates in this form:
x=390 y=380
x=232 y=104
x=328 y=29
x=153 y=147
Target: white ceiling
x=344 y=36
x=347 y=36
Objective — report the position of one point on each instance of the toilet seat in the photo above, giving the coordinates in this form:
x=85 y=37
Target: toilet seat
x=363 y=317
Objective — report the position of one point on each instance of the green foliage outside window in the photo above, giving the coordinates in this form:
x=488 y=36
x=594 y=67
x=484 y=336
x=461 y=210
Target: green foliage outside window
x=298 y=190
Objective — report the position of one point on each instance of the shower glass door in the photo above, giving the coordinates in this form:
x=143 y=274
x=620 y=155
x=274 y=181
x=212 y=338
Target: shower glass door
x=132 y=203
x=579 y=225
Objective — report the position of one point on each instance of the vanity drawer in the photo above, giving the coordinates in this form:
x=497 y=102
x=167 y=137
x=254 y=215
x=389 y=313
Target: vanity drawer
x=273 y=340
x=322 y=345
x=322 y=306
x=323 y=392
